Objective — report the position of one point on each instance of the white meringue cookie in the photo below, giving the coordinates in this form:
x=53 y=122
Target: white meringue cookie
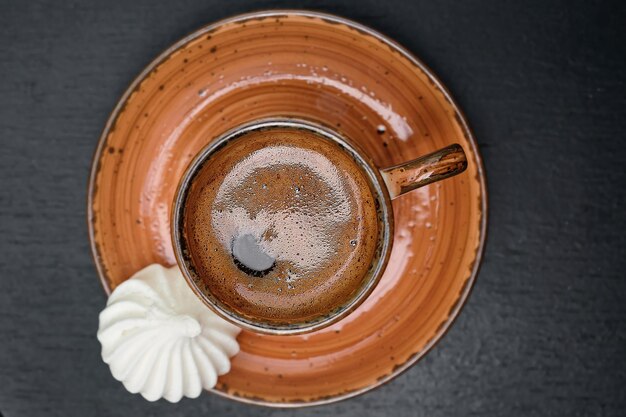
x=160 y=340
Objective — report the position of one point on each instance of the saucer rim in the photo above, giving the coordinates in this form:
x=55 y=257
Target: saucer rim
x=363 y=30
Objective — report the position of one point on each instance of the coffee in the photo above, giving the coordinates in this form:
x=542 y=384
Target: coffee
x=281 y=225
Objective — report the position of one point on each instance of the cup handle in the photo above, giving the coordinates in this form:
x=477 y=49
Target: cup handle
x=444 y=163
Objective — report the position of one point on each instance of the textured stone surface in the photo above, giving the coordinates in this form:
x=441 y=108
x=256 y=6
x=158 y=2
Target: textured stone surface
x=544 y=88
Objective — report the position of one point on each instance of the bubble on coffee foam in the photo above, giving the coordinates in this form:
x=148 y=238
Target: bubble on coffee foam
x=247 y=251
x=304 y=226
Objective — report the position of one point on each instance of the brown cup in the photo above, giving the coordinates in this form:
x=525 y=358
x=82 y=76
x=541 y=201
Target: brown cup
x=386 y=184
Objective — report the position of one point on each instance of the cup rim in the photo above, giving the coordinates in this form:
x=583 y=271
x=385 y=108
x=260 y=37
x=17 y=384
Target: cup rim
x=384 y=211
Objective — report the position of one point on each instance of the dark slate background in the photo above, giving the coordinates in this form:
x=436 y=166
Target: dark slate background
x=543 y=84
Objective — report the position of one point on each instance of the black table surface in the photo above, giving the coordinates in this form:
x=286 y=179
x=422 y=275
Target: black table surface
x=543 y=84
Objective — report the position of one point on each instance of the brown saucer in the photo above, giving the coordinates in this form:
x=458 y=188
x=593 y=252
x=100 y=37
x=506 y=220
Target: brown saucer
x=335 y=72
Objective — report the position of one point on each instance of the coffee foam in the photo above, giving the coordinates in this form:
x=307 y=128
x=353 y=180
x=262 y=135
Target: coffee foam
x=307 y=204
x=303 y=221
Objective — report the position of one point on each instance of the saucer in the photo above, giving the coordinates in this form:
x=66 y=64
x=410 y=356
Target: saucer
x=334 y=72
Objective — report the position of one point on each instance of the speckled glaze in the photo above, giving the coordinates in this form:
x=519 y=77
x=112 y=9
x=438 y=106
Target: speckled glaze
x=337 y=73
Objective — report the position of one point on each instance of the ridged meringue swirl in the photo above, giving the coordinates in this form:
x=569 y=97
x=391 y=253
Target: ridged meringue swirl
x=160 y=340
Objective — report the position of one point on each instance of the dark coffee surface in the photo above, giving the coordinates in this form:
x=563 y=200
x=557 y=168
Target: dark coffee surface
x=542 y=84
x=285 y=195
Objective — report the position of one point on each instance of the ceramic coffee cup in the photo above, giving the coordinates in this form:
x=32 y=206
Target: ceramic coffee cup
x=385 y=184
